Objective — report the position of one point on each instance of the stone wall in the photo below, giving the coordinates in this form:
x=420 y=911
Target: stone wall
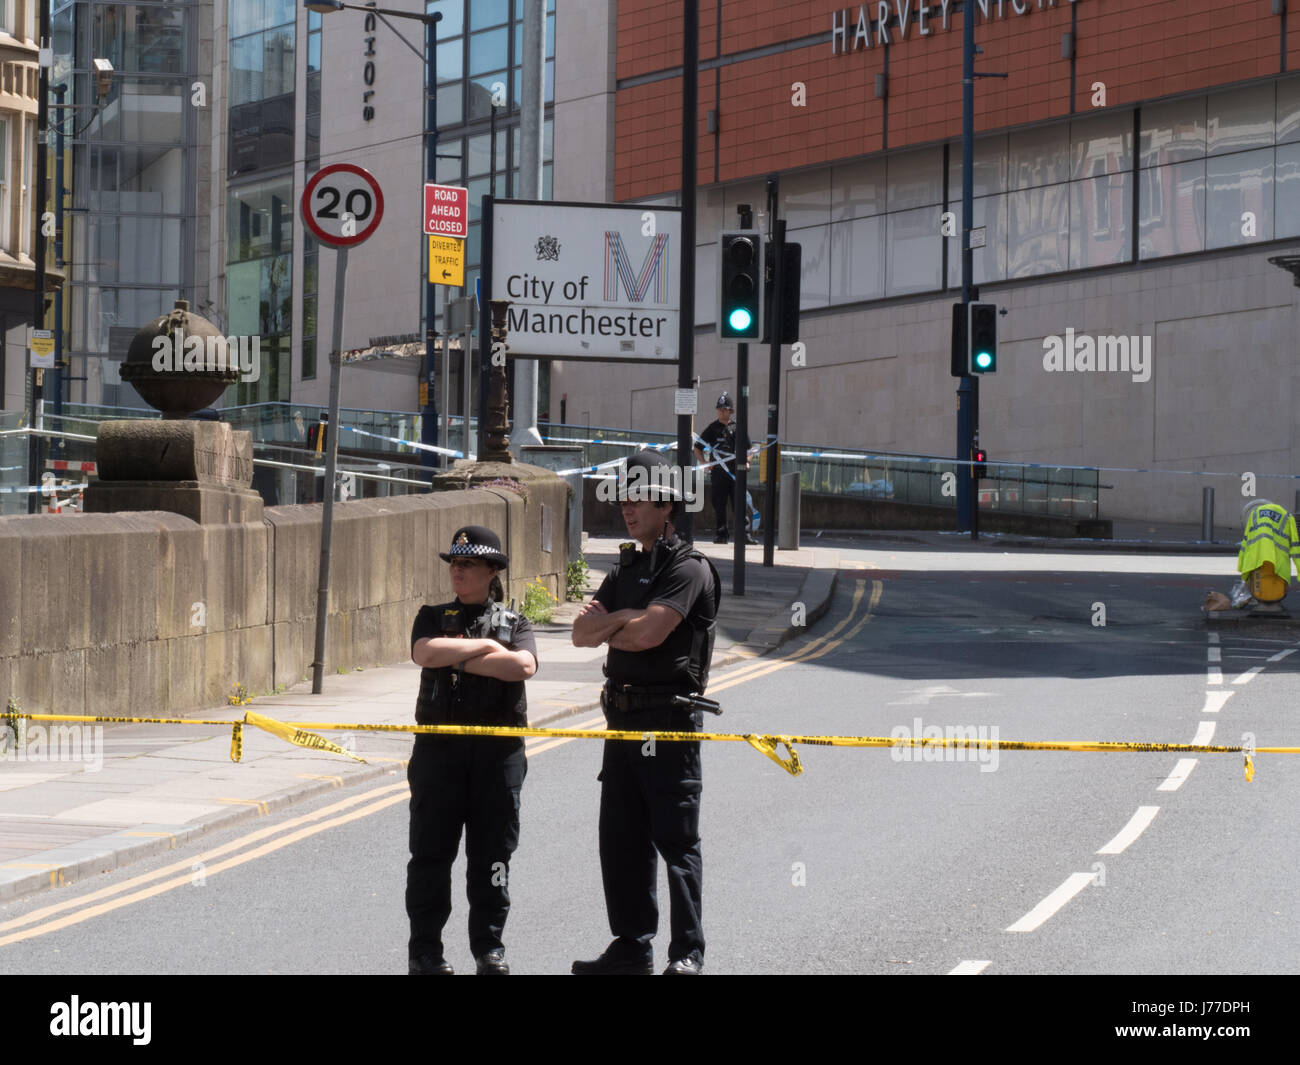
x=149 y=613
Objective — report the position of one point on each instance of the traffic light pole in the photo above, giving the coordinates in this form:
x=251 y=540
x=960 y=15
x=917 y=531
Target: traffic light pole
x=968 y=390
x=740 y=528
x=686 y=316
x=776 y=326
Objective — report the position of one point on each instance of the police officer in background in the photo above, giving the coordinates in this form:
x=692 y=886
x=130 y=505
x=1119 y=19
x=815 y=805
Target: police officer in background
x=656 y=611
x=720 y=438
x=476 y=658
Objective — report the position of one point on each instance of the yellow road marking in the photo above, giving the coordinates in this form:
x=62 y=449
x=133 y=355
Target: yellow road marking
x=773 y=667
x=811 y=651
x=225 y=848
x=208 y=870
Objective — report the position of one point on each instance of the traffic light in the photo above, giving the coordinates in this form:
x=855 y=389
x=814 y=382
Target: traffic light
x=740 y=295
x=979 y=456
x=982 y=330
x=787 y=300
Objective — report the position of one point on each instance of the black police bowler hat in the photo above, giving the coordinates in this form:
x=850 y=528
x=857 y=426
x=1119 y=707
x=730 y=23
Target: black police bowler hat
x=724 y=400
x=474 y=541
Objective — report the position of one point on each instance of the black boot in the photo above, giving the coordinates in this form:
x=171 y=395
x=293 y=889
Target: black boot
x=617 y=962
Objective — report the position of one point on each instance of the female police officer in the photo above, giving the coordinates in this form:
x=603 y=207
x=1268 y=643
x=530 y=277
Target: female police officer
x=474 y=781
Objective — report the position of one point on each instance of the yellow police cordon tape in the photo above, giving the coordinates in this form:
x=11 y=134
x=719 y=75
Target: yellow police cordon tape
x=296 y=732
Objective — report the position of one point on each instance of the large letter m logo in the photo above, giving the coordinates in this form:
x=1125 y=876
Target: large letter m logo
x=618 y=268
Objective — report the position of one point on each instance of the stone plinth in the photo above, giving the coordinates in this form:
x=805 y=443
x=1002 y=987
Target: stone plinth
x=199 y=469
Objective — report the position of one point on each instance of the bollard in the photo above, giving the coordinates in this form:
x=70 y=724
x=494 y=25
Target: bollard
x=788 y=529
x=1207 y=515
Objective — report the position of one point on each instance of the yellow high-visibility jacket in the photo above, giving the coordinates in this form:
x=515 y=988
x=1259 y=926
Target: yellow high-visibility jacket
x=1270 y=536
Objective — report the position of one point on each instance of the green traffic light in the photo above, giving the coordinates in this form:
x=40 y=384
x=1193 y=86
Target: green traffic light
x=740 y=320
x=983 y=359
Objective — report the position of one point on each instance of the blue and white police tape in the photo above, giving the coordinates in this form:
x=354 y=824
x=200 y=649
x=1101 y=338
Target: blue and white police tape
x=48 y=490
x=639 y=444
x=412 y=444
x=587 y=471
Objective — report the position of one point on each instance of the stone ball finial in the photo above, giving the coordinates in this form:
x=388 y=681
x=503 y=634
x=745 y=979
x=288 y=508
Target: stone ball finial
x=189 y=371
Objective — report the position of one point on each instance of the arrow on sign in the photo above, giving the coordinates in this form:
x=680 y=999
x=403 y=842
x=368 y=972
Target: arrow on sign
x=446 y=273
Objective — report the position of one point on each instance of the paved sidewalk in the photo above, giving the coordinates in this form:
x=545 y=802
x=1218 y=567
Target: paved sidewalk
x=134 y=790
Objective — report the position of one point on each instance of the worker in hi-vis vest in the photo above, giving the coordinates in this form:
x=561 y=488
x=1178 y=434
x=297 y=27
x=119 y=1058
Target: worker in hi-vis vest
x=1269 y=546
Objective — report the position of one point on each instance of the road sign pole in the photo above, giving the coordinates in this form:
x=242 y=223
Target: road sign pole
x=686 y=302
x=331 y=465
x=429 y=423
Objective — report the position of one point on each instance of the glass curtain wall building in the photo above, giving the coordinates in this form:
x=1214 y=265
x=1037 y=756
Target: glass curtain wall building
x=260 y=199
x=131 y=239
x=480 y=43
x=18 y=100
x=1217 y=170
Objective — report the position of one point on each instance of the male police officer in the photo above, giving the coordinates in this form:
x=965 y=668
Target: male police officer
x=656 y=611
x=720 y=438
x=469 y=678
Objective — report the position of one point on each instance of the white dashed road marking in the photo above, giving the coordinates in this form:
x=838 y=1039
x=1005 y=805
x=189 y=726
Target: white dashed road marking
x=1135 y=827
x=1214 y=701
x=1058 y=898
x=970 y=968
x=1181 y=772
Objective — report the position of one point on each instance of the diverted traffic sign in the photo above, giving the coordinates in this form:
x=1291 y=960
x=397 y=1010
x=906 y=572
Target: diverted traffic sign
x=446 y=210
x=446 y=261
x=42 y=348
x=342 y=205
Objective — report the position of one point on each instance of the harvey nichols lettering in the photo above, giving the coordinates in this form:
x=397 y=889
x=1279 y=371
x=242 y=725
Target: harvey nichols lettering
x=862 y=35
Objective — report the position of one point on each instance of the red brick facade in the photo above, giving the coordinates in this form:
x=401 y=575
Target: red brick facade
x=1138 y=49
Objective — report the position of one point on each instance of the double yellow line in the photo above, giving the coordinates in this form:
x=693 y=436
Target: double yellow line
x=194 y=870
x=814 y=649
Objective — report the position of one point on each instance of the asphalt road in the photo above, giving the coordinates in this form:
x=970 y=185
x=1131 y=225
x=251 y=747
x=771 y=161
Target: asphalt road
x=872 y=861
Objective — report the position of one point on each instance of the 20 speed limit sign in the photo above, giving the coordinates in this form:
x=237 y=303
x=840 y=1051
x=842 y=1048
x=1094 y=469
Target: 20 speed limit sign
x=342 y=205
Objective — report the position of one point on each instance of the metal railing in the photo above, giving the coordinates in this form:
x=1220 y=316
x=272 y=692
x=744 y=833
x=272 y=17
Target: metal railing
x=281 y=434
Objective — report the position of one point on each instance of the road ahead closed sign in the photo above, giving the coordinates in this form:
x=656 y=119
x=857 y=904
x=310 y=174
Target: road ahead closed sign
x=588 y=281
x=446 y=210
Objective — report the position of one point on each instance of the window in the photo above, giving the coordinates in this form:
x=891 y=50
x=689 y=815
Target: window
x=29 y=185
x=1239 y=198
x=6 y=203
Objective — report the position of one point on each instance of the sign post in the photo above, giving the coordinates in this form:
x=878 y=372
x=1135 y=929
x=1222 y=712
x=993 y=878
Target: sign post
x=342 y=205
x=42 y=347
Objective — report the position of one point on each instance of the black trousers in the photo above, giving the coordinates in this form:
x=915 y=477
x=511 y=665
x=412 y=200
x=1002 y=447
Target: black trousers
x=474 y=782
x=651 y=803
x=722 y=488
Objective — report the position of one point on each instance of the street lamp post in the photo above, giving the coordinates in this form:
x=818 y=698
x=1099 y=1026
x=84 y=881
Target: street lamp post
x=38 y=247
x=429 y=433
